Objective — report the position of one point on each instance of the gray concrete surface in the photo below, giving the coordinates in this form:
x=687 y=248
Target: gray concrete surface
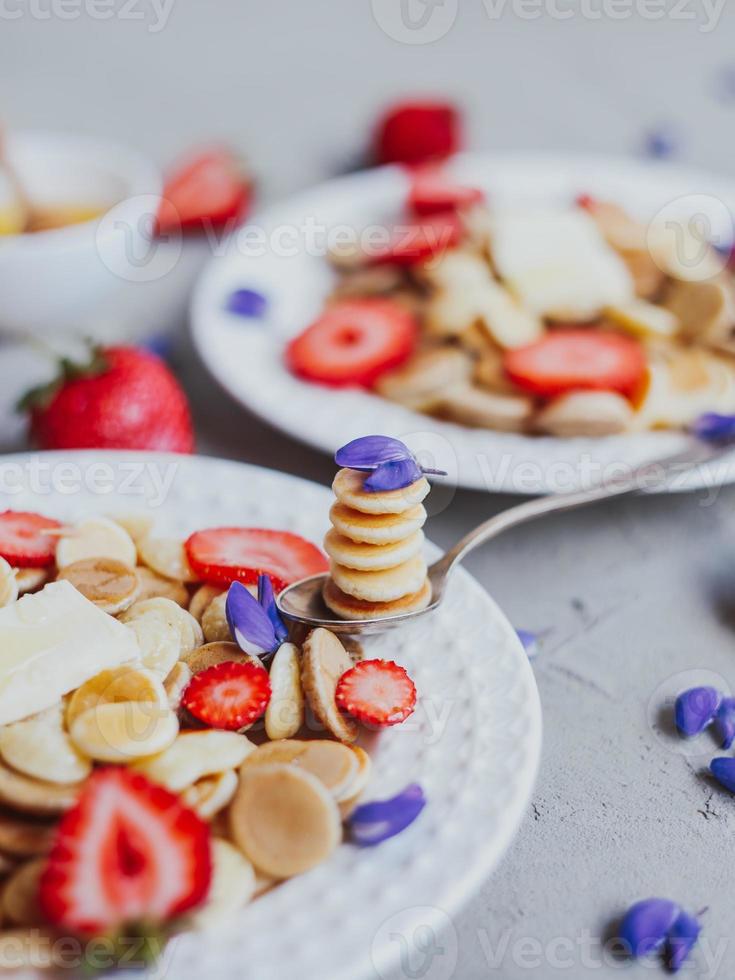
x=631 y=595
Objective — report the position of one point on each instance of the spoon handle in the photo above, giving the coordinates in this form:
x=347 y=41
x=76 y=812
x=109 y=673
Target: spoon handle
x=648 y=476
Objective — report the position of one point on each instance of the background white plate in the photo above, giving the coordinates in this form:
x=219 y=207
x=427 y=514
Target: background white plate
x=473 y=743
x=286 y=264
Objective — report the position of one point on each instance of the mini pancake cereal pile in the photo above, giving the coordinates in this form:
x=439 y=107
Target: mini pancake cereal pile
x=576 y=320
x=375 y=545
x=155 y=761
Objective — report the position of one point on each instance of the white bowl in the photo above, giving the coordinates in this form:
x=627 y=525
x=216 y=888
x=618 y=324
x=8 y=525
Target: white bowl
x=50 y=281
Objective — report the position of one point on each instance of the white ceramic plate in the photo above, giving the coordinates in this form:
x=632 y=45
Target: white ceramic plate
x=281 y=256
x=473 y=743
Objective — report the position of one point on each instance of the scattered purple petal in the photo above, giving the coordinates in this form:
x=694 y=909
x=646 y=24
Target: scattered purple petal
x=373 y=823
x=723 y=769
x=246 y=303
x=267 y=601
x=715 y=428
x=368 y=452
x=530 y=643
x=725 y=722
x=393 y=476
x=696 y=709
x=725 y=84
x=249 y=623
x=161 y=345
x=647 y=925
x=681 y=941
x=661 y=144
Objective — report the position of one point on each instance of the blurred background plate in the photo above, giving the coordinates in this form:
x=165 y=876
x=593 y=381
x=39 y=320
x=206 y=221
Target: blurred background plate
x=281 y=256
x=473 y=743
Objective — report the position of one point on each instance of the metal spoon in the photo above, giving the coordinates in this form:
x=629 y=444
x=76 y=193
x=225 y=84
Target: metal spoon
x=302 y=603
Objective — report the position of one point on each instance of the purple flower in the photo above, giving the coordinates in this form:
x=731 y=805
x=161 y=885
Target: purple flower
x=394 y=475
x=725 y=722
x=647 y=924
x=530 y=643
x=255 y=624
x=711 y=427
x=389 y=461
x=659 y=924
x=723 y=769
x=661 y=144
x=373 y=823
x=682 y=939
x=696 y=709
x=247 y=303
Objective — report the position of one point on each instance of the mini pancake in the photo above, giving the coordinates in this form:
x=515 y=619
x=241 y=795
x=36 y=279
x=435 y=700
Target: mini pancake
x=371 y=557
x=377 y=528
x=383 y=586
x=348 y=490
x=348 y=607
x=110 y=585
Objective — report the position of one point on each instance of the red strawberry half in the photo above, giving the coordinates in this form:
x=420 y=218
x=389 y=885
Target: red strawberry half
x=230 y=695
x=127 y=852
x=208 y=191
x=24 y=539
x=354 y=342
x=222 y=555
x=569 y=360
x=421 y=240
x=124 y=398
x=433 y=192
x=418 y=131
x=378 y=692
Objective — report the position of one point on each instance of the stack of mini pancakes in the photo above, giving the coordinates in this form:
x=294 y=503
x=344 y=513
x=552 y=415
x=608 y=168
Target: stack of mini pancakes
x=375 y=546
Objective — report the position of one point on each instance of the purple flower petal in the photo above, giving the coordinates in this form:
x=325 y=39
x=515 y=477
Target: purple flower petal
x=647 y=925
x=661 y=144
x=372 y=823
x=247 y=303
x=715 y=428
x=725 y=722
x=723 y=769
x=370 y=451
x=696 y=709
x=393 y=476
x=682 y=939
x=530 y=643
x=249 y=623
x=267 y=601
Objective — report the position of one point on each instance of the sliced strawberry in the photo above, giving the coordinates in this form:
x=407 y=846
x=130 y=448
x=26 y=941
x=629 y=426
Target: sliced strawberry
x=378 y=692
x=418 y=241
x=577 y=359
x=127 y=852
x=229 y=695
x=587 y=202
x=208 y=191
x=222 y=555
x=433 y=192
x=354 y=342
x=417 y=131
x=24 y=539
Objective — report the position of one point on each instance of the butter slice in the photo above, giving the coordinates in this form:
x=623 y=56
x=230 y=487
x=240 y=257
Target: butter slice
x=51 y=642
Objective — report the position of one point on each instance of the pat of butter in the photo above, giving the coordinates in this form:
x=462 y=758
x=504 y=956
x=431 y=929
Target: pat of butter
x=51 y=642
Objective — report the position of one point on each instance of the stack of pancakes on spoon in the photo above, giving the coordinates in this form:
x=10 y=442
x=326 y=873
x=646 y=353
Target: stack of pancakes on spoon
x=375 y=546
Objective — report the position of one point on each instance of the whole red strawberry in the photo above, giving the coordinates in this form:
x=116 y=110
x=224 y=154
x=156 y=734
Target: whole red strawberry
x=418 y=132
x=124 y=398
